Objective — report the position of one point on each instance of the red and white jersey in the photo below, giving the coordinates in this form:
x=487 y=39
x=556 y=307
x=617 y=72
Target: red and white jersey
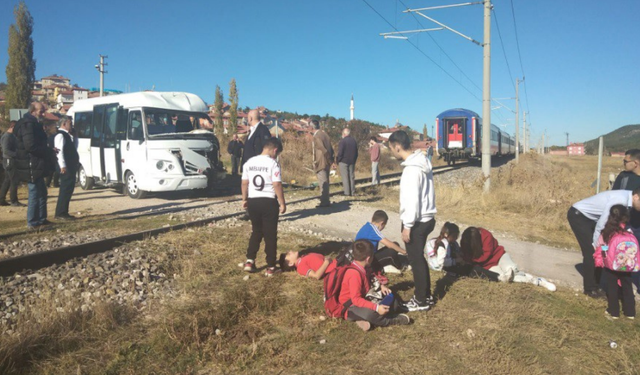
x=261 y=171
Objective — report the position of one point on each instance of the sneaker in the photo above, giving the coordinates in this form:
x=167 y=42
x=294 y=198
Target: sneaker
x=507 y=277
x=18 y=204
x=431 y=300
x=65 y=217
x=540 y=281
x=364 y=325
x=414 y=305
x=406 y=268
x=609 y=316
x=631 y=317
x=402 y=320
x=596 y=294
x=249 y=266
x=270 y=271
x=391 y=269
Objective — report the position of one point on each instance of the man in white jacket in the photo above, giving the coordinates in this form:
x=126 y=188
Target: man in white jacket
x=417 y=211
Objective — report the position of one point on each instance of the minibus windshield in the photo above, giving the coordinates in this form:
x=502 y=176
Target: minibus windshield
x=164 y=122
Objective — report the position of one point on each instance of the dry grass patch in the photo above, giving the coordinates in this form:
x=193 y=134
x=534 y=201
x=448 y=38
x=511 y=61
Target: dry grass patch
x=220 y=323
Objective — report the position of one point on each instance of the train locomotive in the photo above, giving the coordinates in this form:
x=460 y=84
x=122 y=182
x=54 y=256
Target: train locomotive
x=459 y=136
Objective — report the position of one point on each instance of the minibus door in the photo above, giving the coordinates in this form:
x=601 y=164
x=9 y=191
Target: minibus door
x=108 y=128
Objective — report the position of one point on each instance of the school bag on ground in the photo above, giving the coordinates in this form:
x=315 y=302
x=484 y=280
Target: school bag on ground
x=332 y=285
x=622 y=254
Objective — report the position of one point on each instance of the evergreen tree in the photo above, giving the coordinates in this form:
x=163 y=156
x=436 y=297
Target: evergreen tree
x=424 y=132
x=217 y=104
x=233 y=103
x=21 y=68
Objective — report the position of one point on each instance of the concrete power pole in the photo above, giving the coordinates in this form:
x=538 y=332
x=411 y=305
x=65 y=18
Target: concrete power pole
x=525 y=135
x=486 y=98
x=517 y=121
x=100 y=68
x=567 y=139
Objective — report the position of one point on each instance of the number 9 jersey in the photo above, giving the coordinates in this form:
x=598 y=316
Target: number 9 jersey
x=261 y=171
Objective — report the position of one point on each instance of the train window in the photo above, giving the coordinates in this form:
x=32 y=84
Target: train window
x=82 y=124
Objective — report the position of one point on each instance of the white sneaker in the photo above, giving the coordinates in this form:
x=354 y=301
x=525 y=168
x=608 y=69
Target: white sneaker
x=414 y=305
x=507 y=277
x=540 y=281
x=391 y=269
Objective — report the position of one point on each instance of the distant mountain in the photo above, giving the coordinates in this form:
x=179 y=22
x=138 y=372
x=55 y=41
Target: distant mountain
x=619 y=140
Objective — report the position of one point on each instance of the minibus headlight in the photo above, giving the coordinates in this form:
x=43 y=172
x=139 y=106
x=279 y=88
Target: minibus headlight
x=160 y=165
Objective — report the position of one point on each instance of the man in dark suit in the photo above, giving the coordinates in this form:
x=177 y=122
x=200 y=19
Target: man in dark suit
x=235 y=150
x=346 y=159
x=258 y=133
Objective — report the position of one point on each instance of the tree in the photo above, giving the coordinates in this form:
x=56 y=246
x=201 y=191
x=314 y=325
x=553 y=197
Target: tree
x=21 y=68
x=424 y=132
x=233 y=103
x=217 y=105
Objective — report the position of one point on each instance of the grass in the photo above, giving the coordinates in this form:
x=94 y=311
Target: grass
x=529 y=199
x=220 y=324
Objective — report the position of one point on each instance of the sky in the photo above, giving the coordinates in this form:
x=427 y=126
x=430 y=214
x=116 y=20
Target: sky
x=579 y=57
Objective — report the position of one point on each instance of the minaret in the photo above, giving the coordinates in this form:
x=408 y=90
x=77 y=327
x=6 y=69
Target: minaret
x=352 y=107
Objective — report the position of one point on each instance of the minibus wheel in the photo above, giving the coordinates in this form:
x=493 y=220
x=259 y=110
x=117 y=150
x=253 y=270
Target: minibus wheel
x=86 y=183
x=132 y=186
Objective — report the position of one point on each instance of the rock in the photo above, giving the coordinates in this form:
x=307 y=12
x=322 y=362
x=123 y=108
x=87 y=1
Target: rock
x=470 y=333
x=322 y=318
x=245 y=278
x=323 y=341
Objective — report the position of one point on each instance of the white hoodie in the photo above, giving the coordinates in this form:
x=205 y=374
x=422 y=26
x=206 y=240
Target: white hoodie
x=417 y=198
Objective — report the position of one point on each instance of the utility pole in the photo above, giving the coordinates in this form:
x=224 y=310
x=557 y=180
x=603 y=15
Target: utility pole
x=544 y=142
x=486 y=77
x=567 y=139
x=100 y=68
x=525 y=134
x=517 y=120
x=486 y=97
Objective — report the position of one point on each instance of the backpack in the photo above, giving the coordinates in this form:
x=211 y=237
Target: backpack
x=332 y=285
x=623 y=254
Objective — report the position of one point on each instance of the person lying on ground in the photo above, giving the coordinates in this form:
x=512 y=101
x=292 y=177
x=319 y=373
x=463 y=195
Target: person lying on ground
x=479 y=247
x=312 y=265
x=391 y=258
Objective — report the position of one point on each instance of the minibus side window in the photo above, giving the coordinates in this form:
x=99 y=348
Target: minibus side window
x=82 y=124
x=134 y=130
x=97 y=126
x=110 y=126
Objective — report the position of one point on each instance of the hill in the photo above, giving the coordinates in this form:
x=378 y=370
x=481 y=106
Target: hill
x=619 y=140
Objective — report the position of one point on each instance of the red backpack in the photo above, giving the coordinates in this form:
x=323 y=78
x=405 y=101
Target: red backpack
x=332 y=286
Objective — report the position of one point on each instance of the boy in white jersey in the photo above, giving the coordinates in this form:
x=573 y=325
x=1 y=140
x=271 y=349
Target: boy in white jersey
x=263 y=198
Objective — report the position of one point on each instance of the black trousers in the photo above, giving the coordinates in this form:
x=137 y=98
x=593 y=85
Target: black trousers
x=236 y=161
x=419 y=267
x=263 y=213
x=389 y=257
x=610 y=279
x=9 y=184
x=67 y=186
x=362 y=313
x=583 y=228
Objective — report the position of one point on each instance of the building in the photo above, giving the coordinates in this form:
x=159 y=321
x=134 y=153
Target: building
x=618 y=154
x=575 y=149
x=54 y=80
x=80 y=94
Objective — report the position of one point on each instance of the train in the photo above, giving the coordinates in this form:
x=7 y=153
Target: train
x=459 y=136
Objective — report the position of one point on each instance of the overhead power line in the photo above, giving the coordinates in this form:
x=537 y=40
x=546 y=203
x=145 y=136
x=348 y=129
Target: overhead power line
x=504 y=52
x=422 y=52
x=515 y=27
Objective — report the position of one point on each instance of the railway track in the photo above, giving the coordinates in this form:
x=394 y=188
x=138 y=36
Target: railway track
x=38 y=260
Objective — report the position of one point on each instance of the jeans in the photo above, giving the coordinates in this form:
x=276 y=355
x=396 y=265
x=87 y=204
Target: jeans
x=347 y=173
x=415 y=251
x=263 y=213
x=235 y=163
x=67 y=186
x=37 y=207
x=375 y=173
x=11 y=185
x=323 y=181
x=355 y=313
x=583 y=228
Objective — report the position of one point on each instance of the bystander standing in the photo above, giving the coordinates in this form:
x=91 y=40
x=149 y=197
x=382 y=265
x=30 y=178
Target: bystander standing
x=322 y=160
x=235 y=150
x=346 y=159
x=374 y=152
x=9 y=183
x=68 y=161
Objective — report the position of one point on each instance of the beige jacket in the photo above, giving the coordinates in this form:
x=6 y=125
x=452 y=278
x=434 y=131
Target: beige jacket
x=322 y=151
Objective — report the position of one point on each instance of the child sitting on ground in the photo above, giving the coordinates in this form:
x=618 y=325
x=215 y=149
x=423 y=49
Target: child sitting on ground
x=617 y=253
x=443 y=252
x=479 y=247
x=392 y=258
x=312 y=265
x=354 y=288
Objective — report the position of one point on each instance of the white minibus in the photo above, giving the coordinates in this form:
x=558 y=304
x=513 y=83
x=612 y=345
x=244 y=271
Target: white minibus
x=145 y=142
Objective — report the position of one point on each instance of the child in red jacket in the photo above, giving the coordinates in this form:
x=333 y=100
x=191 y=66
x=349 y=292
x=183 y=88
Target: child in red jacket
x=479 y=247
x=312 y=265
x=355 y=286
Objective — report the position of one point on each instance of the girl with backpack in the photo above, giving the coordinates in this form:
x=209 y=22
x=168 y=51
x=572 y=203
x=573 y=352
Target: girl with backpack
x=480 y=248
x=617 y=253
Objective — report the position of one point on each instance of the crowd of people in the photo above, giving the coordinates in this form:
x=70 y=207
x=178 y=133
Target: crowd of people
x=356 y=283
x=38 y=155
